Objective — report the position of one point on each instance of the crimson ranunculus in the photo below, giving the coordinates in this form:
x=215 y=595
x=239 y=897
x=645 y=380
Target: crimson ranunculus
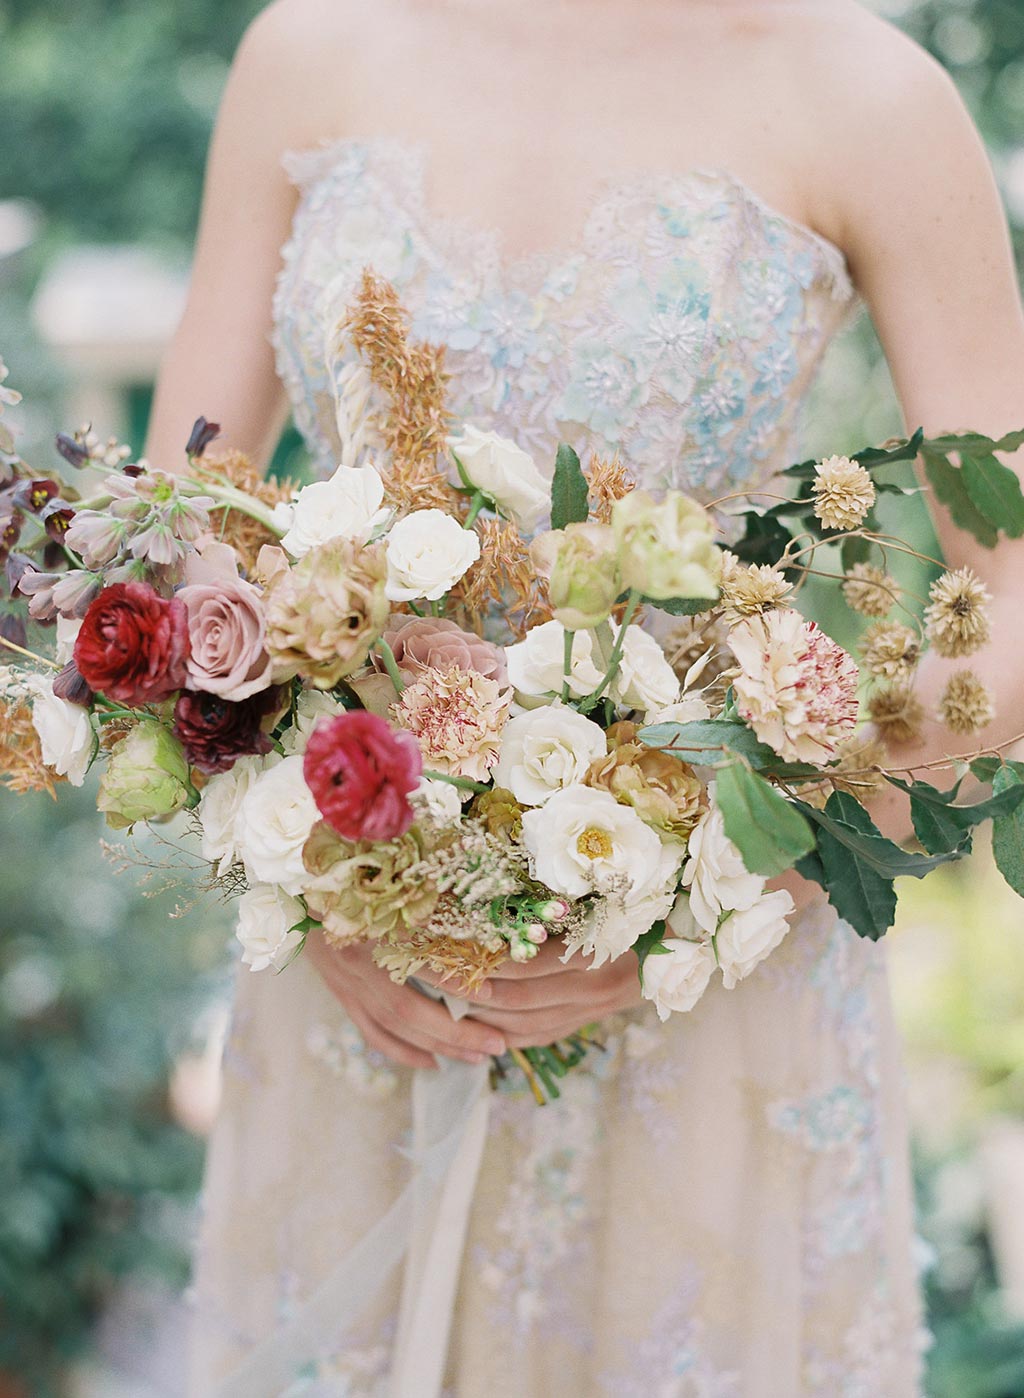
x=216 y=732
x=133 y=644
x=361 y=772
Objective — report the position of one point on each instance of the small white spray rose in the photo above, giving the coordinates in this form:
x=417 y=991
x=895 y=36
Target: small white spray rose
x=715 y=873
x=646 y=681
x=427 y=553
x=266 y=927
x=748 y=935
x=535 y=664
x=438 y=801
x=218 y=808
x=347 y=506
x=544 y=750
x=66 y=735
x=677 y=977
x=274 y=821
x=505 y=472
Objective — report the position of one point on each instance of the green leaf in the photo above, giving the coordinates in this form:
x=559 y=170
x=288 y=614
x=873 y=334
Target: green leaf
x=848 y=823
x=940 y=824
x=947 y=482
x=1008 y=833
x=769 y=832
x=976 y=442
x=764 y=539
x=568 y=489
x=985 y=768
x=702 y=741
x=996 y=492
x=811 y=867
x=649 y=945
x=858 y=892
x=681 y=606
x=853 y=551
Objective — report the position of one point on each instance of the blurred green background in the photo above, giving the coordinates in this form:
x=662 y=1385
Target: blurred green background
x=110 y=1011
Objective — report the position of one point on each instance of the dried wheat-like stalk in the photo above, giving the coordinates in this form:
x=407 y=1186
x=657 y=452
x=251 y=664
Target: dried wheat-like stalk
x=245 y=534
x=413 y=379
x=607 y=481
x=504 y=582
x=21 y=759
x=465 y=962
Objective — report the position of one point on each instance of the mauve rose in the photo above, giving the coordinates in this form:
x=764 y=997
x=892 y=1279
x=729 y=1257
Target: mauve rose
x=425 y=643
x=226 y=632
x=133 y=645
x=215 y=732
x=361 y=772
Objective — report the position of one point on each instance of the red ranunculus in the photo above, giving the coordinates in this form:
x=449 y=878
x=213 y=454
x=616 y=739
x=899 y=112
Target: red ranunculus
x=216 y=732
x=133 y=644
x=361 y=771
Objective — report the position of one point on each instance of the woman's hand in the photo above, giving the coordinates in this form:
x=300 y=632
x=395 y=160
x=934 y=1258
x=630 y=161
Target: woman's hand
x=534 y=1003
x=403 y=1024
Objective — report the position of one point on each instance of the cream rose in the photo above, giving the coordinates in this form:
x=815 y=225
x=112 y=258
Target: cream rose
x=266 y=927
x=505 y=473
x=218 y=809
x=666 y=547
x=437 y=801
x=646 y=681
x=347 y=506
x=66 y=735
x=427 y=553
x=544 y=750
x=615 y=924
x=274 y=821
x=748 y=935
x=581 y=841
x=676 y=978
x=715 y=873
x=535 y=664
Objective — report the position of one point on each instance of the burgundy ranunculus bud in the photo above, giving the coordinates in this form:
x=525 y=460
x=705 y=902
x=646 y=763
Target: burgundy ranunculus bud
x=71 y=450
x=68 y=684
x=202 y=435
x=216 y=732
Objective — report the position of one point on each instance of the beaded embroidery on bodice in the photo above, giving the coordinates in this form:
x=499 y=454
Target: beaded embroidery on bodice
x=683 y=327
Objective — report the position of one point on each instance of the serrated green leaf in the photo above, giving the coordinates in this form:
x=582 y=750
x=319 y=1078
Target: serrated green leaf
x=1008 y=833
x=568 y=489
x=703 y=740
x=940 y=824
x=769 y=832
x=848 y=823
x=985 y=768
x=861 y=895
x=975 y=442
x=947 y=482
x=681 y=606
x=995 y=490
x=764 y=539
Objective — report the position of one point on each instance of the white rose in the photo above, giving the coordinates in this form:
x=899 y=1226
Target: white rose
x=68 y=628
x=439 y=801
x=646 y=680
x=676 y=978
x=218 y=809
x=311 y=706
x=689 y=709
x=582 y=840
x=506 y=473
x=274 y=821
x=427 y=553
x=66 y=735
x=544 y=750
x=266 y=921
x=535 y=664
x=347 y=506
x=715 y=873
x=748 y=935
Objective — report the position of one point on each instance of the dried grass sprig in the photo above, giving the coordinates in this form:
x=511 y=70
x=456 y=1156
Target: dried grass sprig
x=21 y=759
x=245 y=534
x=607 y=481
x=503 y=582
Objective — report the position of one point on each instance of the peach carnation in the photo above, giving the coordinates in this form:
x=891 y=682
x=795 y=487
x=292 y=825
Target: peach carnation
x=457 y=716
x=795 y=687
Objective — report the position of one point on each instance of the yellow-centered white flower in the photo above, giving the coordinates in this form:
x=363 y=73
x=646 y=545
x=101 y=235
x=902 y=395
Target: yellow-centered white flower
x=427 y=553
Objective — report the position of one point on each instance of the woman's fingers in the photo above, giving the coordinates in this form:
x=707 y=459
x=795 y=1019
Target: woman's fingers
x=429 y=1025
x=377 y=1037
x=547 y=962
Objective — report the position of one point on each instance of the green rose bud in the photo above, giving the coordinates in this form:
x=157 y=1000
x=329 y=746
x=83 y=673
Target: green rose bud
x=146 y=777
x=666 y=547
x=582 y=570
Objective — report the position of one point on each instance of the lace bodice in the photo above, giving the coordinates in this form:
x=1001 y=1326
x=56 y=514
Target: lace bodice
x=683 y=326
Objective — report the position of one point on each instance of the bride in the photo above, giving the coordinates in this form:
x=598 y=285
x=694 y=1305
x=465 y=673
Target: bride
x=635 y=224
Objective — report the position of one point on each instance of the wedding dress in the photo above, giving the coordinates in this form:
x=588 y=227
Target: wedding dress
x=718 y=1206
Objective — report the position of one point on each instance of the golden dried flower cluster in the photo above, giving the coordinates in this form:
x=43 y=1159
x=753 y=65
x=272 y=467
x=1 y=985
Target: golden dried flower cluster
x=965 y=704
x=414 y=380
x=869 y=590
x=750 y=589
x=890 y=650
x=843 y=492
x=956 y=619
x=897 y=714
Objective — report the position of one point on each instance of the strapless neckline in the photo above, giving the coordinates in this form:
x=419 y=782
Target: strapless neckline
x=310 y=164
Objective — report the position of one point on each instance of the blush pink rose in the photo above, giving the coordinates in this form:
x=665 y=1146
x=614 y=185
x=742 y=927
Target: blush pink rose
x=426 y=644
x=361 y=772
x=226 y=627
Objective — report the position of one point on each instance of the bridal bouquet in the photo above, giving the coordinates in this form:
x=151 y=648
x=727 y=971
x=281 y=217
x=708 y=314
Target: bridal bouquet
x=396 y=716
